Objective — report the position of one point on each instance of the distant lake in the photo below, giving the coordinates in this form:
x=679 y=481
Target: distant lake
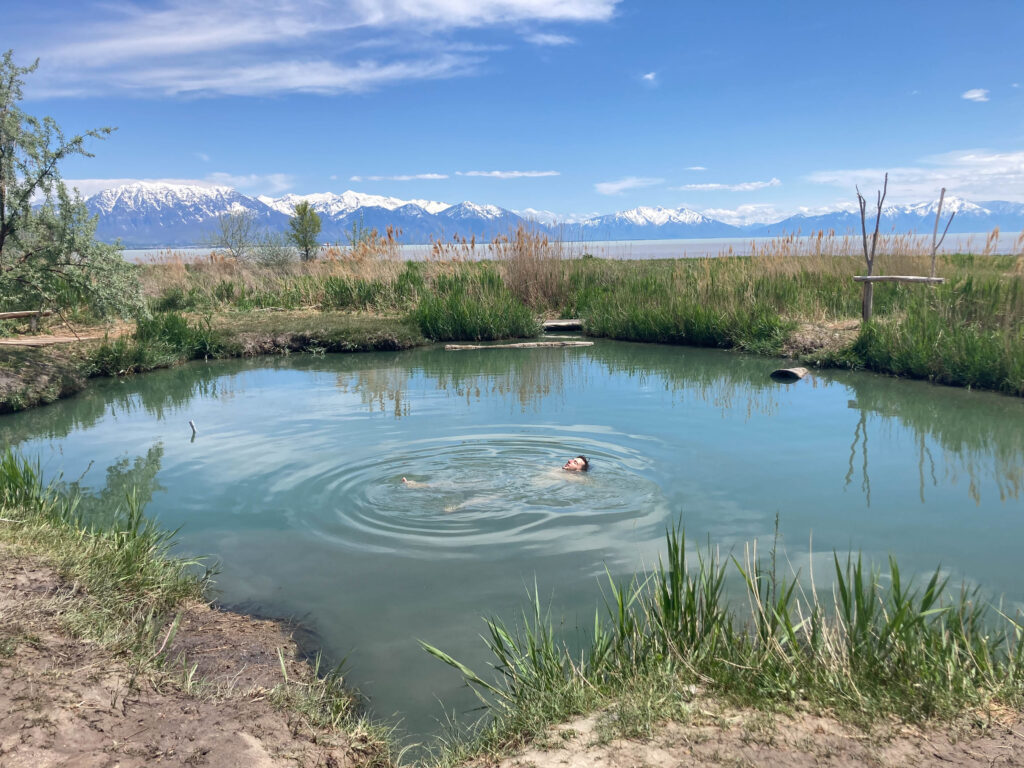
x=648 y=249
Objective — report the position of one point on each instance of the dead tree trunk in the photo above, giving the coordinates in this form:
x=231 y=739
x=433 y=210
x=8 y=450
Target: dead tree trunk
x=935 y=232
x=868 y=297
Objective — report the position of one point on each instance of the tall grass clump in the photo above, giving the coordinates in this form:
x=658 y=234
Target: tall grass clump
x=878 y=645
x=533 y=267
x=682 y=308
x=473 y=305
x=131 y=582
x=969 y=333
x=158 y=342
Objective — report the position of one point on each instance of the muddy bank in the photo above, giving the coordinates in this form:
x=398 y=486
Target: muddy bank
x=37 y=375
x=216 y=700
x=735 y=738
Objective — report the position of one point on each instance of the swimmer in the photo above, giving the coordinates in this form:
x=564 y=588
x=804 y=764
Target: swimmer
x=577 y=464
x=414 y=483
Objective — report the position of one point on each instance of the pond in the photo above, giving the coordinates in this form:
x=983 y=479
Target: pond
x=294 y=484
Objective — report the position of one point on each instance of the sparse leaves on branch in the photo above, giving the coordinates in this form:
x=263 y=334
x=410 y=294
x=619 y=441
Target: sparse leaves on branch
x=49 y=258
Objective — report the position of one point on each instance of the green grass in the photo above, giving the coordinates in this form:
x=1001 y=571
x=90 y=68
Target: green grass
x=968 y=332
x=133 y=584
x=877 y=646
x=129 y=593
x=473 y=305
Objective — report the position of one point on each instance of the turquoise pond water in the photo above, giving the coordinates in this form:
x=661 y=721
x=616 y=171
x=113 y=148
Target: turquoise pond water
x=293 y=484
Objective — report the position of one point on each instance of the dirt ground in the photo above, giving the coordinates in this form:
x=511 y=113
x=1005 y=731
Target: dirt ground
x=747 y=739
x=824 y=336
x=67 y=702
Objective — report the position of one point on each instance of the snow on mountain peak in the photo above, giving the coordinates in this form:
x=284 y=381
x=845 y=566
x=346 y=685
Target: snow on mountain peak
x=143 y=194
x=659 y=216
x=338 y=205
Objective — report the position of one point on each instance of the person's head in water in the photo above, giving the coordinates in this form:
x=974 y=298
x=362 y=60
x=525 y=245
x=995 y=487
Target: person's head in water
x=577 y=464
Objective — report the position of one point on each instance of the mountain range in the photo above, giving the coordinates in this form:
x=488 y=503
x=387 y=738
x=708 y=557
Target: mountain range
x=147 y=214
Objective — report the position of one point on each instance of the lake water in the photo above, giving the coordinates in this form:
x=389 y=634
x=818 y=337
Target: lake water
x=294 y=484
x=652 y=249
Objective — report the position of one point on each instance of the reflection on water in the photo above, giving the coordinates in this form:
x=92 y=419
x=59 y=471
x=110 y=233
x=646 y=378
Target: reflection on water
x=295 y=482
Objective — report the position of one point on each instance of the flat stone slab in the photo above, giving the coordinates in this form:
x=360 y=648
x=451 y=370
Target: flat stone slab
x=519 y=345
x=563 y=325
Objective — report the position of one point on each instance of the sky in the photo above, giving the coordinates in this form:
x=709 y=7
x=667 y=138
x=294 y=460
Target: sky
x=747 y=111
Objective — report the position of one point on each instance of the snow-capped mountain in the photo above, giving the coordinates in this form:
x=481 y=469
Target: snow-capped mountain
x=338 y=205
x=150 y=214
x=653 y=223
x=147 y=213
x=917 y=218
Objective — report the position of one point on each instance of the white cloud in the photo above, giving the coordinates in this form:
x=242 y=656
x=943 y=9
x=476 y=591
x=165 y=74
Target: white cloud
x=745 y=186
x=978 y=174
x=696 y=168
x=402 y=177
x=1015 y=85
x=766 y=213
x=203 y=156
x=621 y=185
x=268 y=46
x=543 y=38
x=650 y=77
x=508 y=174
x=975 y=94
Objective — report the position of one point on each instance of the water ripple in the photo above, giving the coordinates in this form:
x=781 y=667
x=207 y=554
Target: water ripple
x=484 y=489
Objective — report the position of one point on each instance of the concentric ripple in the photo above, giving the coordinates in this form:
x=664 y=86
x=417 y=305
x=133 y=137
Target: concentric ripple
x=486 y=489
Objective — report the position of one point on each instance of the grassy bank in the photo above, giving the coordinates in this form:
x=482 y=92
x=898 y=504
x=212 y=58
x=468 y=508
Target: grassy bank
x=127 y=594
x=967 y=332
x=36 y=376
x=785 y=299
x=874 y=647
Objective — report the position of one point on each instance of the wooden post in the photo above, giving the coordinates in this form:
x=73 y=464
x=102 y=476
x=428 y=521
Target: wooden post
x=867 y=301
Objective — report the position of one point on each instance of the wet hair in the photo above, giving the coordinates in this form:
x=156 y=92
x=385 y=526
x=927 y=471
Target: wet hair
x=586 y=462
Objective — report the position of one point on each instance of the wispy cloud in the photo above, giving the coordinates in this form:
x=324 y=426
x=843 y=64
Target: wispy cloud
x=977 y=174
x=402 y=177
x=745 y=186
x=649 y=79
x=508 y=174
x=544 y=38
x=621 y=185
x=268 y=46
x=202 y=156
x=696 y=168
x=975 y=94
x=324 y=77
x=268 y=183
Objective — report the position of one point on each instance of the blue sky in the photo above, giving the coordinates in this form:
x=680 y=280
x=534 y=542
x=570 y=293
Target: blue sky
x=746 y=110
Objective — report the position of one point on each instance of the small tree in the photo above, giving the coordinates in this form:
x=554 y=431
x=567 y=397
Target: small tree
x=49 y=258
x=868 y=297
x=305 y=226
x=236 y=232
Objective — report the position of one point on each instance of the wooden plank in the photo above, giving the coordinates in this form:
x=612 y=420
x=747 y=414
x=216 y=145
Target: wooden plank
x=563 y=325
x=25 y=313
x=519 y=345
x=897 y=279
